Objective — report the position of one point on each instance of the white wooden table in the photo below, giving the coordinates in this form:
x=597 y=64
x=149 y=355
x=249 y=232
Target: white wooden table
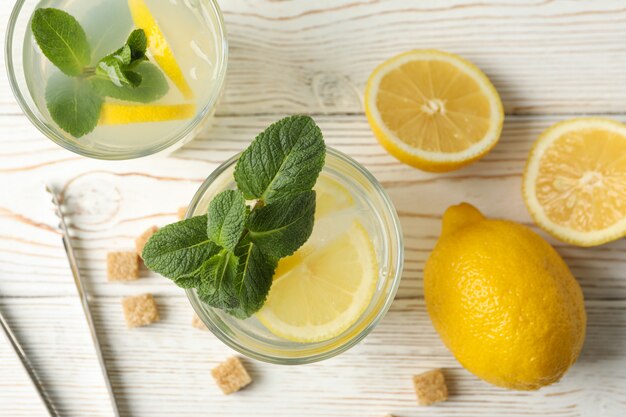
x=549 y=60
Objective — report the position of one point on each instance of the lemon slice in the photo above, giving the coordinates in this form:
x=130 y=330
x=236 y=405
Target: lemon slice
x=116 y=113
x=158 y=46
x=433 y=110
x=575 y=181
x=331 y=197
x=322 y=289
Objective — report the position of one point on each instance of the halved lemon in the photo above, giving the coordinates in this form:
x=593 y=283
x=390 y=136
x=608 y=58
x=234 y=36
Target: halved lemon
x=158 y=46
x=322 y=289
x=117 y=113
x=433 y=110
x=575 y=181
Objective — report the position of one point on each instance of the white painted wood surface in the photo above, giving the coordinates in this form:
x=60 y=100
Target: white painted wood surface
x=548 y=59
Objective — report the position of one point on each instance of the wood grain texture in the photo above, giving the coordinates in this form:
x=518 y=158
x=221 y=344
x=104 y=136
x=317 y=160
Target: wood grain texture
x=544 y=56
x=164 y=370
x=548 y=59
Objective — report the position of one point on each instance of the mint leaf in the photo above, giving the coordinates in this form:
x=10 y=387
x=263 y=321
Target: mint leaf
x=188 y=281
x=118 y=65
x=153 y=85
x=284 y=160
x=73 y=104
x=61 y=39
x=217 y=278
x=177 y=251
x=227 y=218
x=114 y=66
x=280 y=228
x=253 y=280
x=138 y=43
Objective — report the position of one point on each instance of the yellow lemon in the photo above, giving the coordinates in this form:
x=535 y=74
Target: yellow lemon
x=331 y=197
x=575 y=181
x=433 y=110
x=158 y=46
x=117 y=113
x=323 y=288
x=503 y=301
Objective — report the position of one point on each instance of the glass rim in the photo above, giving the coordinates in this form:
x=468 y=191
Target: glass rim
x=232 y=342
x=54 y=136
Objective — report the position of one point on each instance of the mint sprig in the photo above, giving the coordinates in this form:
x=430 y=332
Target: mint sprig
x=118 y=67
x=75 y=100
x=242 y=242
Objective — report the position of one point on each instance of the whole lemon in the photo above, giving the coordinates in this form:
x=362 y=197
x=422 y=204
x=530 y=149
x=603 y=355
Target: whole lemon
x=503 y=301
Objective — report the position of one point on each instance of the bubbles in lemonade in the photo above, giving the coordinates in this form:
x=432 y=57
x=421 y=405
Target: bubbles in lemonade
x=191 y=30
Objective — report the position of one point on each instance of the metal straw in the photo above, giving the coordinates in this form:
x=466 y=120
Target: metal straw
x=52 y=411
x=67 y=243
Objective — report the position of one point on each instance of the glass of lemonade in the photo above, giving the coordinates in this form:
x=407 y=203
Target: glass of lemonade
x=349 y=269
x=186 y=51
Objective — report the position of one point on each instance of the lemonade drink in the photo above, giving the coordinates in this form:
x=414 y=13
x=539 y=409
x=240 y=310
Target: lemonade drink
x=192 y=32
x=328 y=295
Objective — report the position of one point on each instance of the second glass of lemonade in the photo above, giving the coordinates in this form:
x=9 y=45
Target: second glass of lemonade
x=333 y=291
x=186 y=51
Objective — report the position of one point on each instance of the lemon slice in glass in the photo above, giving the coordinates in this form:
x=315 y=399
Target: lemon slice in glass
x=331 y=197
x=158 y=46
x=322 y=289
x=117 y=113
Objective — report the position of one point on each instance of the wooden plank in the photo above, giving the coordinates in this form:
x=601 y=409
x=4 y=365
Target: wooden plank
x=111 y=204
x=544 y=57
x=163 y=370
x=548 y=59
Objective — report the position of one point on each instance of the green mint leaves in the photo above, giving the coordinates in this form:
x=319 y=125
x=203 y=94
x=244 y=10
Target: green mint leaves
x=153 y=85
x=280 y=228
x=62 y=40
x=285 y=159
x=228 y=213
x=73 y=104
x=75 y=99
x=178 y=251
x=118 y=66
x=230 y=254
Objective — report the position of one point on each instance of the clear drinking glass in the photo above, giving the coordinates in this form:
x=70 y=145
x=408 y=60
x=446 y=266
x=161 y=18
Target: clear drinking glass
x=249 y=337
x=194 y=28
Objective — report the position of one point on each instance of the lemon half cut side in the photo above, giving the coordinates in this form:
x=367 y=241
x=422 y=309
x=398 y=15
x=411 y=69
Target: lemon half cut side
x=575 y=181
x=433 y=110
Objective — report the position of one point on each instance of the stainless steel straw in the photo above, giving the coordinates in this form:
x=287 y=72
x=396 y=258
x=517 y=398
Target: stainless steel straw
x=67 y=243
x=52 y=411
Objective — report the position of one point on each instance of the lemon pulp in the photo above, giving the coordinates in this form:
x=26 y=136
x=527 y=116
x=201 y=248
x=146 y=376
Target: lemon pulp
x=323 y=288
x=575 y=181
x=433 y=110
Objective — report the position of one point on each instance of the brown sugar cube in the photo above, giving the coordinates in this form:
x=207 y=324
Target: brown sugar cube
x=140 y=242
x=182 y=211
x=430 y=387
x=140 y=310
x=122 y=266
x=197 y=323
x=231 y=376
